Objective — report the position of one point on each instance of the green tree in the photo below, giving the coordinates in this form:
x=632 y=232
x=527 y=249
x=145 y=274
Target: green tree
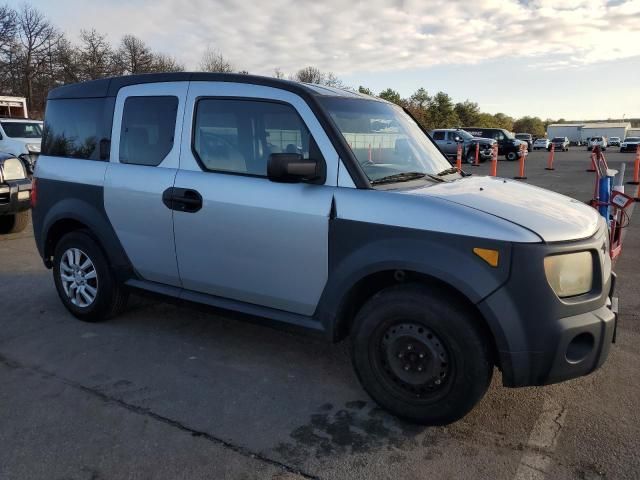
x=391 y=95
x=504 y=121
x=441 y=112
x=365 y=90
x=532 y=125
x=468 y=113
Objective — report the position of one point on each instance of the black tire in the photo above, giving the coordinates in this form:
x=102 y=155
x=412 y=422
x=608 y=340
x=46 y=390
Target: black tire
x=512 y=156
x=111 y=297
x=440 y=391
x=471 y=157
x=15 y=223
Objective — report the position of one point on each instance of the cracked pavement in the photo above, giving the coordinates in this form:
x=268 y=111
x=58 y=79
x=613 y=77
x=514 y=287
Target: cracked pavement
x=175 y=392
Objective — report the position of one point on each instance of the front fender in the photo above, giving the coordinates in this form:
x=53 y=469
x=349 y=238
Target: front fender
x=359 y=249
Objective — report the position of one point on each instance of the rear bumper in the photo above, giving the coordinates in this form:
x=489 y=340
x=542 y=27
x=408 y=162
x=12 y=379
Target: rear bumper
x=15 y=196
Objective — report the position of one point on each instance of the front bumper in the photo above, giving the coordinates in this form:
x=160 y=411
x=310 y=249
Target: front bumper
x=540 y=338
x=15 y=196
x=629 y=148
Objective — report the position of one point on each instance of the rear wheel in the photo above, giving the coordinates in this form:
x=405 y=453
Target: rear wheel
x=85 y=283
x=420 y=355
x=14 y=223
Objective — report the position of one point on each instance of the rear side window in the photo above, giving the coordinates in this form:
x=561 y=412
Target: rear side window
x=78 y=128
x=239 y=135
x=438 y=135
x=148 y=128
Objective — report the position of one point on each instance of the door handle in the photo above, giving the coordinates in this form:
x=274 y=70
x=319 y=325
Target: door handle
x=182 y=199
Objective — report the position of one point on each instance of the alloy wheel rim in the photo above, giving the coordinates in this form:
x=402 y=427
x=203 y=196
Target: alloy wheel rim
x=79 y=277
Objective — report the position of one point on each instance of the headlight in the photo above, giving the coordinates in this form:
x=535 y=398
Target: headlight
x=570 y=274
x=33 y=148
x=623 y=144
x=12 y=169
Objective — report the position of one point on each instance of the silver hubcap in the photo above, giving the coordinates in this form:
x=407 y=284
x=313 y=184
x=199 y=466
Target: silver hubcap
x=79 y=277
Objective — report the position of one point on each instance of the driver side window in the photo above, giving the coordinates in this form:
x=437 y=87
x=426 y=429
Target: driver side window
x=237 y=136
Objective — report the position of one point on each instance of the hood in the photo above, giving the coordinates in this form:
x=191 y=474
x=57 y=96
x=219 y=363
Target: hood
x=20 y=144
x=553 y=217
x=490 y=141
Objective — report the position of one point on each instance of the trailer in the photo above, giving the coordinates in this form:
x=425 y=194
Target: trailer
x=14 y=107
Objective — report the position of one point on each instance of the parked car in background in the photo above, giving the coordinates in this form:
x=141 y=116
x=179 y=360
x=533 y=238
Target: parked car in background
x=15 y=195
x=526 y=137
x=541 y=144
x=508 y=144
x=630 y=144
x=255 y=195
x=449 y=138
x=560 y=144
x=599 y=141
x=614 y=141
x=21 y=137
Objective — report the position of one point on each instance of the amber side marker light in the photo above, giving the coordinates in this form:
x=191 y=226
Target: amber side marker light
x=492 y=257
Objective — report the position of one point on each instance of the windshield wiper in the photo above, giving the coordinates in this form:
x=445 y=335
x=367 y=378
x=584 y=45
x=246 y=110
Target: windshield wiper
x=398 y=177
x=448 y=171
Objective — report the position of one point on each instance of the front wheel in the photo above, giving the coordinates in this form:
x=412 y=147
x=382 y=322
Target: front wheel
x=512 y=156
x=15 y=223
x=420 y=355
x=85 y=283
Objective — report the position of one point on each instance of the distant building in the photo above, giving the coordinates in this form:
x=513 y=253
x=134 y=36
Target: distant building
x=569 y=130
x=618 y=129
x=580 y=132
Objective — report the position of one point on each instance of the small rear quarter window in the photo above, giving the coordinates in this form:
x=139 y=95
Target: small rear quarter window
x=76 y=128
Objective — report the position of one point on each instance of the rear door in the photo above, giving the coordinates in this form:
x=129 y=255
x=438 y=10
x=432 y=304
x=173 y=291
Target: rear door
x=145 y=153
x=250 y=239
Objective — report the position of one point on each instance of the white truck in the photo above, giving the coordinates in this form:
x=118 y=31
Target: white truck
x=19 y=135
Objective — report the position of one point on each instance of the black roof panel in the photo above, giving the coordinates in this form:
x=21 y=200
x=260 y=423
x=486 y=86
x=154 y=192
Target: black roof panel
x=109 y=87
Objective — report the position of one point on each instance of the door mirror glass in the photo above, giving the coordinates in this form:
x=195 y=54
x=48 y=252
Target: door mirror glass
x=292 y=168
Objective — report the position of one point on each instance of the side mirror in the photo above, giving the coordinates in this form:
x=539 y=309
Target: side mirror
x=293 y=168
x=457 y=139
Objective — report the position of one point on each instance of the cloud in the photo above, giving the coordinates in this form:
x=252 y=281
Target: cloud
x=347 y=37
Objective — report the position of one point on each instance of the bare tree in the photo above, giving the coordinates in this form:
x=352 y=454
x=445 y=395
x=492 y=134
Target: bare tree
x=166 y=63
x=214 y=61
x=133 y=56
x=7 y=28
x=315 y=75
x=278 y=73
x=95 y=55
x=36 y=36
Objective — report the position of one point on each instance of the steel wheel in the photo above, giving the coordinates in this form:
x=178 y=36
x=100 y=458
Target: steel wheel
x=414 y=359
x=78 y=277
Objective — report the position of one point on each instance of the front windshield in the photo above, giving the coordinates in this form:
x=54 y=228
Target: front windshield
x=558 y=139
x=22 y=129
x=632 y=139
x=465 y=135
x=523 y=135
x=385 y=140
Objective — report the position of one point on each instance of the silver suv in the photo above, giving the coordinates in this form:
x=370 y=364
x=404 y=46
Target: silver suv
x=448 y=140
x=325 y=210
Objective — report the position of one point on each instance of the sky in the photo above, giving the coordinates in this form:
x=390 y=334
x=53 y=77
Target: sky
x=572 y=59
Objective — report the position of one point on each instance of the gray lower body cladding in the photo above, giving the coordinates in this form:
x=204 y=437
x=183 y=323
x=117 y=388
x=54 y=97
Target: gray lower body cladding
x=61 y=201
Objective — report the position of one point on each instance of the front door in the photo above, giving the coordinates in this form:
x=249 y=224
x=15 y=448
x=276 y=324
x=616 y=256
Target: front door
x=251 y=239
x=145 y=153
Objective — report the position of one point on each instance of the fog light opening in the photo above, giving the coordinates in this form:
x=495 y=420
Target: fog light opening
x=580 y=347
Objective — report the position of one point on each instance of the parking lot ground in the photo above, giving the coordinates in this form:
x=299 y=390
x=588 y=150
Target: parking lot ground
x=174 y=392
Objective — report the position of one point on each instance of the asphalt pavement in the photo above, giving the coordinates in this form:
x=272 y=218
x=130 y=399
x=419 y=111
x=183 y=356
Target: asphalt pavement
x=174 y=392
